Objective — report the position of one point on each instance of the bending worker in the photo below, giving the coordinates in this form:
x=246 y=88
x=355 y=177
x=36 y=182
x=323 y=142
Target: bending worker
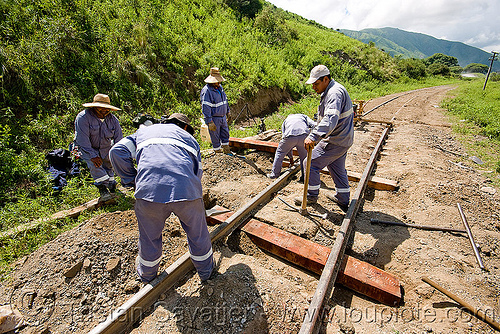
x=333 y=134
x=167 y=179
x=294 y=130
x=96 y=130
x=215 y=110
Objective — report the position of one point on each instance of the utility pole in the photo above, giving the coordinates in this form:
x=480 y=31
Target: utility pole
x=492 y=58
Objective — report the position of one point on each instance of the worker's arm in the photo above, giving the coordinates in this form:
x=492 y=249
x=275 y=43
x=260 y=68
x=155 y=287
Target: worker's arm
x=122 y=156
x=206 y=104
x=82 y=138
x=118 y=135
x=329 y=122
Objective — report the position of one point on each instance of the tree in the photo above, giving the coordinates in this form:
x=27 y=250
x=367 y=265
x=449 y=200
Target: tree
x=438 y=69
x=413 y=68
x=272 y=23
x=248 y=8
x=440 y=58
x=476 y=68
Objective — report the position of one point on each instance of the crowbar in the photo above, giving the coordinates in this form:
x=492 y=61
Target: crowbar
x=471 y=238
x=476 y=312
x=323 y=216
x=303 y=209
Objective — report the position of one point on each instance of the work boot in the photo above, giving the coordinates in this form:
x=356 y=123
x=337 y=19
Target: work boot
x=226 y=149
x=217 y=150
x=214 y=274
x=112 y=187
x=310 y=200
x=104 y=193
x=334 y=199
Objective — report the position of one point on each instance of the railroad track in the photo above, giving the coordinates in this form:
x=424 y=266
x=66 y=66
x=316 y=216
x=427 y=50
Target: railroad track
x=122 y=318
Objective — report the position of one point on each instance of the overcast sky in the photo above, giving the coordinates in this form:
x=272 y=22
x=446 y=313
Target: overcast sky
x=473 y=22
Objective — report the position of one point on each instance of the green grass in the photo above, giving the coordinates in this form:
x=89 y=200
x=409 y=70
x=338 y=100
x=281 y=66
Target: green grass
x=476 y=115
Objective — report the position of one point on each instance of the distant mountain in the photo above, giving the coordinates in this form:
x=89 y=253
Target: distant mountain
x=415 y=45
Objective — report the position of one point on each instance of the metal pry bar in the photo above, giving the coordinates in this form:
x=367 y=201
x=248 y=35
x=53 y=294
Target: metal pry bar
x=323 y=216
x=471 y=238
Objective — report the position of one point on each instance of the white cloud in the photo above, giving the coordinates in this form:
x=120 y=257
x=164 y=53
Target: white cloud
x=471 y=22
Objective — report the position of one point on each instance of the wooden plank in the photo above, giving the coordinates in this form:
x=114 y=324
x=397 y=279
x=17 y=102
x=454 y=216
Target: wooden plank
x=354 y=274
x=71 y=213
x=374 y=182
x=247 y=143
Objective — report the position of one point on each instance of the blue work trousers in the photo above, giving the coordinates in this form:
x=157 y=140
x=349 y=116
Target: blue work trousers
x=101 y=175
x=151 y=218
x=333 y=157
x=221 y=135
x=285 y=146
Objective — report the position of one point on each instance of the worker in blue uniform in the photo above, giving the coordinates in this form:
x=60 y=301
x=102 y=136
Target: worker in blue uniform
x=167 y=180
x=294 y=131
x=215 y=110
x=331 y=138
x=96 y=130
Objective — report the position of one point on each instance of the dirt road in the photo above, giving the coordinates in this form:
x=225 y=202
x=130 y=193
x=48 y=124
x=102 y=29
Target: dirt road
x=258 y=293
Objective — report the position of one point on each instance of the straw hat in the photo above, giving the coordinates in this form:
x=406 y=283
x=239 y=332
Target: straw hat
x=214 y=76
x=180 y=117
x=102 y=101
x=183 y=119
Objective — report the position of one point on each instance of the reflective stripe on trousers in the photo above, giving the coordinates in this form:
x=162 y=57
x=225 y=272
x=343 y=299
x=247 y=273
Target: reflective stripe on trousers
x=151 y=220
x=333 y=157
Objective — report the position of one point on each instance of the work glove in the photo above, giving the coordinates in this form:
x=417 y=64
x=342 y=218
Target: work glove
x=212 y=126
x=97 y=161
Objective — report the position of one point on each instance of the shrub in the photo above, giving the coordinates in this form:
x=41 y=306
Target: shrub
x=412 y=68
x=476 y=68
x=438 y=69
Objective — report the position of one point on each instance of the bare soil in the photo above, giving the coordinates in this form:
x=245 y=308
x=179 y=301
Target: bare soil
x=258 y=293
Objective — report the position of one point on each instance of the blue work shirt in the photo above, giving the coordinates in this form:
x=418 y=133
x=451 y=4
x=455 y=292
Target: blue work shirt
x=168 y=163
x=213 y=102
x=296 y=125
x=94 y=136
x=335 y=117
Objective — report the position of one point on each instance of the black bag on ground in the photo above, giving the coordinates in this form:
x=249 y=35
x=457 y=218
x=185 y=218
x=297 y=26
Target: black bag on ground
x=61 y=166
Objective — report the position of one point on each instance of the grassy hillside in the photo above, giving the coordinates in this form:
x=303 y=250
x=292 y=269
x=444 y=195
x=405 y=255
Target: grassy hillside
x=415 y=45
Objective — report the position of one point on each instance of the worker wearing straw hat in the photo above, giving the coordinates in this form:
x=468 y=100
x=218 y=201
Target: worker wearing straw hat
x=96 y=130
x=215 y=110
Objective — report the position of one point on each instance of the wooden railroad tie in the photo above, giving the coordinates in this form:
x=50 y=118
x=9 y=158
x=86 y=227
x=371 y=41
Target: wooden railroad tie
x=354 y=274
x=374 y=182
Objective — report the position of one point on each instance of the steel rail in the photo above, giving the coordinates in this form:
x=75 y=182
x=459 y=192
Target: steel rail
x=132 y=310
x=382 y=104
x=332 y=266
x=422 y=227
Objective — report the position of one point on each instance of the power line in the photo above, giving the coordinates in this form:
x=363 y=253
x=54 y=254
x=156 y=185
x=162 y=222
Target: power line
x=492 y=58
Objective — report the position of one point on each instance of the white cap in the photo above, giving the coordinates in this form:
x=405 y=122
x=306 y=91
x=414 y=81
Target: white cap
x=317 y=72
